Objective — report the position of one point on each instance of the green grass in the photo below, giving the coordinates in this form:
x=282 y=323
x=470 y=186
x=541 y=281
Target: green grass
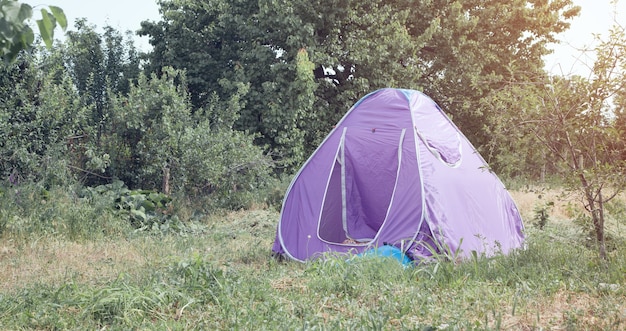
x=218 y=274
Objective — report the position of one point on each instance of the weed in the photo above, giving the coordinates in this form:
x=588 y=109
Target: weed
x=542 y=214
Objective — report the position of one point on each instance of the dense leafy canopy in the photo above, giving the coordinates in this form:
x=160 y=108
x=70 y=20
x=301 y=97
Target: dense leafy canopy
x=99 y=65
x=84 y=111
x=455 y=51
x=37 y=116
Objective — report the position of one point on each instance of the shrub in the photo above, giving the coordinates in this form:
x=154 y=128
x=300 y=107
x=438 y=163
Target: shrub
x=155 y=144
x=542 y=214
x=224 y=164
x=39 y=117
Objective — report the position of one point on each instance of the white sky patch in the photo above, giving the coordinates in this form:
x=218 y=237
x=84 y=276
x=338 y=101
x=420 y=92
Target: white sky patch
x=123 y=15
x=596 y=18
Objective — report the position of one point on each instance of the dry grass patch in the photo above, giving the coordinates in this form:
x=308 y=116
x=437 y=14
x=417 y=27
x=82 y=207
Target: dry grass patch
x=297 y=284
x=53 y=261
x=564 y=203
x=567 y=310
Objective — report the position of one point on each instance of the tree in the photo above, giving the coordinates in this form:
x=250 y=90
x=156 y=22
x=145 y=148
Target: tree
x=480 y=45
x=154 y=142
x=100 y=65
x=41 y=119
x=15 y=33
x=144 y=129
x=456 y=51
x=580 y=123
x=229 y=45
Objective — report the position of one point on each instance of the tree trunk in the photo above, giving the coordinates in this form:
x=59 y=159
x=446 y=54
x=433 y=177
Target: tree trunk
x=165 y=188
x=598 y=225
x=595 y=207
x=597 y=216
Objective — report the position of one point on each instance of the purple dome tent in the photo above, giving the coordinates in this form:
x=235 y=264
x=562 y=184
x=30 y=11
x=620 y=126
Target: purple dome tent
x=395 y=170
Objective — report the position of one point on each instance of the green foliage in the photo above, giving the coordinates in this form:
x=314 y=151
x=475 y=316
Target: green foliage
x=80 y=213
x=59 y=126
x=511 y=152
x=285 y=120
x=15 y=33
x=143 y=209
x=306 y=62
x=31 y=210
x=570 y=121
x=55 y=106
x=262 y=87
x=101 y=65
x=41 y=124
x=614 y=213
x=542 y=214
x=145 y=130
x=273 y=193
x=155 y=138
x=224 y=164
x=198 y=276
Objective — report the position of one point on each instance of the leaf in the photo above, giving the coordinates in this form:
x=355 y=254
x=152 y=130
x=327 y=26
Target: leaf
x=28 y=37
x=44 y=33
x=148 y=205
x=47 y=19
x=25 y=12
x=154 y=197
x=138 y=213
x=6 y=30
x=46 y=27
x=59 y=15
x=12 y=12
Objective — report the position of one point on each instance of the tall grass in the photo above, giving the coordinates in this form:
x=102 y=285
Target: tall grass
x=30 y=211
x=223 y=277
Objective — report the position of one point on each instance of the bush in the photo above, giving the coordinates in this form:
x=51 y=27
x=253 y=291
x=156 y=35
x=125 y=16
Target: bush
x=224 y=164
x=156 y=144
x=39 y=117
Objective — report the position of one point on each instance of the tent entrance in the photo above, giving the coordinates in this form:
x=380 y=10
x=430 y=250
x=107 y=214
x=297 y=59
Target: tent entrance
x=361 y=185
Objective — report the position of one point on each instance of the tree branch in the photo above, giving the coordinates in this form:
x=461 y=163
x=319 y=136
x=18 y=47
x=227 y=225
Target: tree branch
x=88 y=172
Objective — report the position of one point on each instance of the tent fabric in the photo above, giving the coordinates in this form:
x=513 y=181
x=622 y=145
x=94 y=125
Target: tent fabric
x=395 y=170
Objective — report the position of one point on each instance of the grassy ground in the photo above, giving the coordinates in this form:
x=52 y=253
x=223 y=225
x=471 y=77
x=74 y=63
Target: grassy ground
x=221 y=276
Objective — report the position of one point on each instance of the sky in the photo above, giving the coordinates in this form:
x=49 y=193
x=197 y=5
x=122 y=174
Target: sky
x=597 y=16
x=122 y=15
